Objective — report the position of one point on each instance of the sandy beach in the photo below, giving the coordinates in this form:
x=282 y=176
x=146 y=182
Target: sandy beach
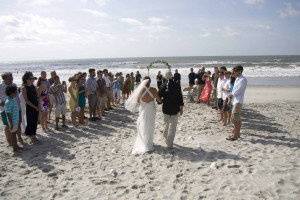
x=95 y=162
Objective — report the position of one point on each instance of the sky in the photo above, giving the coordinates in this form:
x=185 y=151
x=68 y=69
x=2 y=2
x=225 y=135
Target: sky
x=73 y=29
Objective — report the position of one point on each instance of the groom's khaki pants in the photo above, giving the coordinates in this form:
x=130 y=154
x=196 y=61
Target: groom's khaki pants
x=170 y=124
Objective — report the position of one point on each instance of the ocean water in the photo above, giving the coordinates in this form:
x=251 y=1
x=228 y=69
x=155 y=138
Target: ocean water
x=260 y=70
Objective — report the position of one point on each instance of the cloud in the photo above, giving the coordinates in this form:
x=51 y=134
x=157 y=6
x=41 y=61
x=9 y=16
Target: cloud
x=95 y=13
x=255 y=2
x=288 y=11
x=266 y=27
x=98 y=2
x=37 y=3
x=228 y=32
x=22 y=28
x=101 y=2
x=131 y=21
x=156 y=20
x=32 y=29
x=205 y=34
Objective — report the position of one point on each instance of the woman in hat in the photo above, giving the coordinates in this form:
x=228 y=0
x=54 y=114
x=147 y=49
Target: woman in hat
x=30 y=95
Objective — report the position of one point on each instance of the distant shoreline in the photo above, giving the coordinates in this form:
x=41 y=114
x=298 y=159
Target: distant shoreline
x=134 y=57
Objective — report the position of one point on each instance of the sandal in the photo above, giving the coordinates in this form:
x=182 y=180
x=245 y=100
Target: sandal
x=230 y=138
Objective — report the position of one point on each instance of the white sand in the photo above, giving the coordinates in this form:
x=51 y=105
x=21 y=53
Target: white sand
x=95 y=162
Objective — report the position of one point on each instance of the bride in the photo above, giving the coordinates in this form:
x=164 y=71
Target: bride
x=142 y=100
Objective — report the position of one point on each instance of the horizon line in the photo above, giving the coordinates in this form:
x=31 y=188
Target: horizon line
x=128 y=57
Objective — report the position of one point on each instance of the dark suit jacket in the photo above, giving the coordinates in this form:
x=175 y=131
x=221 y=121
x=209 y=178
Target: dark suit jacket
x=171 y=95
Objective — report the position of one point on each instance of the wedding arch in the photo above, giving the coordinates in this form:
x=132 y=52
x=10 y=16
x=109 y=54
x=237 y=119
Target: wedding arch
x=152 y=65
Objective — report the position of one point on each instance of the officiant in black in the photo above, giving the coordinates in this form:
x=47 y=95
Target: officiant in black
x=172 y=106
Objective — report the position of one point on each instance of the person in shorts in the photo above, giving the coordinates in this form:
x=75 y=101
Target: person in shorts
x=221 y=81
x=226 y=100
x=91 y=92
x=8 y=81
x=116 y=87
x=101 y=93
x=58 y=91
x=12 y=111
x=237 y=95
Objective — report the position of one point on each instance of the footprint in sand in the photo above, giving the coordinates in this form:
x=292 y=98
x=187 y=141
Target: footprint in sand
x=233 y=166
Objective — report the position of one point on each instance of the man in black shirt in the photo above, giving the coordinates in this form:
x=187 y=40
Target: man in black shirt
x=138 y=78
x=159 y=79
x=192 y=77
x=200 y=74
x=172 y=106
x=177 y=77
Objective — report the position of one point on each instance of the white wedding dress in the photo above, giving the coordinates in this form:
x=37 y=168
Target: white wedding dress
x=145 y=121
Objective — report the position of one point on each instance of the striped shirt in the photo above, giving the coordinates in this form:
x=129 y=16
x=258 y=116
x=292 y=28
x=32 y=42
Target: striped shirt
x=91 y=85
x=58 y=92
x=12 y=108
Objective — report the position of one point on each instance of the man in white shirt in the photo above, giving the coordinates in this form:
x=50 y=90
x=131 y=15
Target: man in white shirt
x=237 y=96
x=221 y=81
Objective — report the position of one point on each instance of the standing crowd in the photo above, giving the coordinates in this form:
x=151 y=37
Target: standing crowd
x=102 y=91
x=224 y=90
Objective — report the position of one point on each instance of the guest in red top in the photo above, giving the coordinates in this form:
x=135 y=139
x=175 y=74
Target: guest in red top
x=206 y=92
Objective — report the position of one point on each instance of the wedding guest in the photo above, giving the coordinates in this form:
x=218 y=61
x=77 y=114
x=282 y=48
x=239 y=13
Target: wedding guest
x=201 y=78
x=101 y=93
x=159 y=79
x=206 y=91
x=172 y=106
x=177 y=77
x=73 y=101
x=226 y=100
x=44 y=103
x=193 y=92
x=215 y=78
x=58 y=90
x=81 y=97
x=116 y=86
x=238 y=93
x=91 y=92
x=8 y=81
x=132 y=80
x=51 y=79
x=126 y=87
x=51 y=97
x=30 y=95
x=192 y=77
x=12 y=111
x=122 y=80
x=108 y=89
x=138 y=78
x=221 y=81
x=43 y=80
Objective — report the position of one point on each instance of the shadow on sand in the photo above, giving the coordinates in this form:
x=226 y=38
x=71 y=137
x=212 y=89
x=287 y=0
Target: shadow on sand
x=54 y=147
x=272 y=133
x=193 y=155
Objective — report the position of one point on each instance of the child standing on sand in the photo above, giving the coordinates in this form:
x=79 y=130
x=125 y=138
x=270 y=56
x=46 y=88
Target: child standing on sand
x=44 y=104
x=12 y=111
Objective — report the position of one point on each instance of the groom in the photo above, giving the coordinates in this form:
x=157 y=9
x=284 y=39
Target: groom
x=171 y=95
